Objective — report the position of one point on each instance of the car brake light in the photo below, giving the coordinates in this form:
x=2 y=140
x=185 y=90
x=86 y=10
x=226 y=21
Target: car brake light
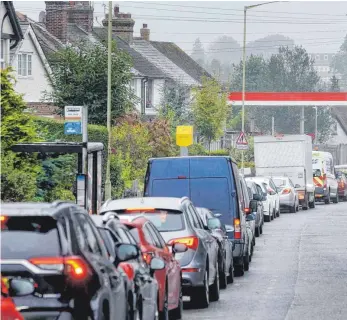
x=190 y=270
x=286 y=191
x=147 y=256
x=74 y=267
x=139 y=210
x=247 y=210
x=237 y=229
x=190 y=242
x=3 y=220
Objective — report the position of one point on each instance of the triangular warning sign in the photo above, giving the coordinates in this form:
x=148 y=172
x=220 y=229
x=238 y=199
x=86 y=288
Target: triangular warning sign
x=241 y=140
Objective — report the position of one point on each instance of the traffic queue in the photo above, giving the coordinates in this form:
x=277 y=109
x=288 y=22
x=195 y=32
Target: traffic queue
x=193 y=230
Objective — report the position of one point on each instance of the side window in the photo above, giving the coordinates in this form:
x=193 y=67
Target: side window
x=260 y=191
x=91 y=239
x=124 y=238
x=273 y=186
x=131 y=238
x=158 y=238
x=291 y=183
x=148 y=235
x=195 y=219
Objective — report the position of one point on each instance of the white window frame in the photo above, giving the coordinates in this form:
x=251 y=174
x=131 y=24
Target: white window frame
x=26 y=70
x=4 y=58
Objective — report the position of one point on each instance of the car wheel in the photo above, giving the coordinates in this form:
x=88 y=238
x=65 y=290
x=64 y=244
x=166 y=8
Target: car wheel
x=231 y=272
x=336 y=199
x=292 y=209
x=261 y=229
x=214 y=290
x=223 y=279
x=246 y=262
x=312 y=204
x=267 y=218
x=257 y=232
x=164 y=314
x=201 y=298
x=278 y=212
x=177 y=313
x=327 y=198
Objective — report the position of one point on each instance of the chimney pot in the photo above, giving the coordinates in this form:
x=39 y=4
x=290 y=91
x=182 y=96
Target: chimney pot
x=116 y=9
x=145 y=32
x=145 y=25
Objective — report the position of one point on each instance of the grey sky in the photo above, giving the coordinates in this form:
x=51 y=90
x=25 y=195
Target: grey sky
x=319 y=26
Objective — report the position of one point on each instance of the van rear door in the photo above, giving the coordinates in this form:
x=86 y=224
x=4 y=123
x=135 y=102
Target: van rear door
x=167 y=178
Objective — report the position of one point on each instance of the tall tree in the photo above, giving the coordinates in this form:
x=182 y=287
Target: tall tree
x=18 y=171
x=339 y=63
x=198 y=53
x=80 y=78
x=225 y=49
x=210 y=110
x=334 y=84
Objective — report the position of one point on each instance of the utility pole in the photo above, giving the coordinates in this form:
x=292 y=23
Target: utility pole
x=108 y=186
x=316 y=127
x=244 y=66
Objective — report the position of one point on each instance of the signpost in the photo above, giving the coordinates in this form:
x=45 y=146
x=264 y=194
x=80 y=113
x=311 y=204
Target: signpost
x=73 y=120
x=241 y=142
x=184 y=138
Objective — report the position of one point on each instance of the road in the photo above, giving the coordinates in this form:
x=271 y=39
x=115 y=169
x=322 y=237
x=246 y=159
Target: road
x=298 y=271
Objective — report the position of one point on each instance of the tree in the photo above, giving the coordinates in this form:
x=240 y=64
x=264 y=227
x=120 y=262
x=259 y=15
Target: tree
x=334 y=84
x=209 y=109
x=225 y=49
x=18 y=171
x=198 y=53
x=79 y=77
x=339 y=63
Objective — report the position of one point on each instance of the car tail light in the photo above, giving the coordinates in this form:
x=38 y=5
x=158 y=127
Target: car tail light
x=3 y=220
x=237 y=229
x=74 y=267
x=190 y=242
x=147 y=256
x=301 y=195
x=139 y=210
x=286 y=191
x=190 y=270
x=270 y=190
x=247 y=210
x=128 y=269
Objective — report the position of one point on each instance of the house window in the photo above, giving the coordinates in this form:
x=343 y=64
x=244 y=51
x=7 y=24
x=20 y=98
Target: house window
x=325 y=57
x=24 y=64
x=5 y=52
x=317 y=57
x=149 y=94
x=133 y=85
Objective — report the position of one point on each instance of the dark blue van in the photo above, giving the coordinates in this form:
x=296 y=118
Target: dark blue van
x=210 y=183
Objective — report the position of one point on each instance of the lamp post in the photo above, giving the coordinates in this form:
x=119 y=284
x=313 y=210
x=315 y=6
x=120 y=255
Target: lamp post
x=108 y=186
x=316 y=126
x=244 y=65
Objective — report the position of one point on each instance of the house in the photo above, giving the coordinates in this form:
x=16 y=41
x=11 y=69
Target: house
x=11 y=33
x=155 y=64
x=340 y=128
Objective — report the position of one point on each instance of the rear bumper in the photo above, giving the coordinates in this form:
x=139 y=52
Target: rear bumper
x=320 y=193
x=47 y=315
x=287 y=200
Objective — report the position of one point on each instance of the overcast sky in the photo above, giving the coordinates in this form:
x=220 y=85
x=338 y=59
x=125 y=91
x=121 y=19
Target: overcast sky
x=319 y=26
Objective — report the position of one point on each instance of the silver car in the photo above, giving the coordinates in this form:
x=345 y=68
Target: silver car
x=289 y=198
x=178 y=222
x=225 y=253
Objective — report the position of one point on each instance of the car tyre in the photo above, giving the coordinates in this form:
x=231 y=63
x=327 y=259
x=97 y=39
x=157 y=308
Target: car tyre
x=257 y=232
x=214 y=290
x=201 y=298
x=246 y=262
x=312 y=204
x=223 y=278
x=336 y=199
x=164 y=314
x=177 y=313
x=292 y=209
x=231 y=272
x=239 y=268
x=267 y=218
x=327 y=198
x=278 y=213
x=261 y=229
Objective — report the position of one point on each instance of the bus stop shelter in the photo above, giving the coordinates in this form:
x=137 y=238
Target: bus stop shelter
x=88 y=185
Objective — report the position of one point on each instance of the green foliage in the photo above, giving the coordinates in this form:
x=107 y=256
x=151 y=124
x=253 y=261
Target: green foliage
x=197 y=149
x=18 y=171
x=339 y=63
x=209 y=110
x=80 y=78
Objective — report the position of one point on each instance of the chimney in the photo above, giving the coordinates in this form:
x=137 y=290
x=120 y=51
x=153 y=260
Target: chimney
x=56 y=19
x=42 y=17
x=122 y=25
x=145 y=32
x=82 y=14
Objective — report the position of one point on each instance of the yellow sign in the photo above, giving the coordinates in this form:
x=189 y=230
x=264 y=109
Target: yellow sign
x=184 y=136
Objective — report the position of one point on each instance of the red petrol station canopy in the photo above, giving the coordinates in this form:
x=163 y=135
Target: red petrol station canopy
x=289 y=98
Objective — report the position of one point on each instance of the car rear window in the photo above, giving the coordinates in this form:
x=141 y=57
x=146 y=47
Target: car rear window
x=28 y=237
x=163 y=220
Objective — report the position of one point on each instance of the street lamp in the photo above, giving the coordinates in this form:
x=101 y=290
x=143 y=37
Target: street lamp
x=244 y=65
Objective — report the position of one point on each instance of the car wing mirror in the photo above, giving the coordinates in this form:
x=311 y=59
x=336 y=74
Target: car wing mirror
x=156 y=264
x=179 y=248
x=20 y=287
x=126 y=252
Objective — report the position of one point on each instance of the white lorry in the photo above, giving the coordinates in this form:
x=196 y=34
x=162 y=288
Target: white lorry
x=291 y=156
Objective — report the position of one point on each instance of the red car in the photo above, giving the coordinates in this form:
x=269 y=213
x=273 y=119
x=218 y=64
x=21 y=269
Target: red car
x=8 y=308
x=342 y=186
x=152 y=245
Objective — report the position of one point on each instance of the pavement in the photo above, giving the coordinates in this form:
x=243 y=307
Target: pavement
x=298 y=271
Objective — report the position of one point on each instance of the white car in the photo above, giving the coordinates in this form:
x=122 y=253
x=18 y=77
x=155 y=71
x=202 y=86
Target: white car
x=272 y=202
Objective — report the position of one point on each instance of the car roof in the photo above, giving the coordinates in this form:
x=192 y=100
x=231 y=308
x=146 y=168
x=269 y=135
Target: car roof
x=150 y=202
x=33 y=208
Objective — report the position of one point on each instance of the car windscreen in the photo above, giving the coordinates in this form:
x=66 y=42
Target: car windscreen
x=280 y=183
x=28 y=237
x=163 y=220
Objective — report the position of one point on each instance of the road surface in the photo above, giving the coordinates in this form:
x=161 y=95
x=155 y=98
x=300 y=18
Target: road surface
x=298 y=271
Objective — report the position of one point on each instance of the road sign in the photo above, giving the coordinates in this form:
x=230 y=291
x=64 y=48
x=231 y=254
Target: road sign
x=241 y=142
x=184 y=136
x=73 y=120
x=73 y=127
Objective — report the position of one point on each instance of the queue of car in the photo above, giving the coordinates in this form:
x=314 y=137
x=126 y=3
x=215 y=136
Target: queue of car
x=194 y=229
